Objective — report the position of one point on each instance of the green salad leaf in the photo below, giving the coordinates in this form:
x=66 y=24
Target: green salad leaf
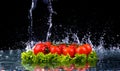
x=54 y=60
x=65 y=60
x=79 y=60
x=92 y=59
x=27 y=57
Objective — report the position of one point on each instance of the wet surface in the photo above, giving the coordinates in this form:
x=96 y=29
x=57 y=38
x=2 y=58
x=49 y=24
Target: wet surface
x=10 y=60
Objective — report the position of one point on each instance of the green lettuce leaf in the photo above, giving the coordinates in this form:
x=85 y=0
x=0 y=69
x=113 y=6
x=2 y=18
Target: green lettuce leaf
x=27 y=57
x=54 y=60
x=79 y=60
x=92 y=59
x=65 y=60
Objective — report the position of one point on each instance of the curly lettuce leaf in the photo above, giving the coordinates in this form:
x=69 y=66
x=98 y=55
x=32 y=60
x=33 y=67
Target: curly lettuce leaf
x=27 y=57
x=79 y=60
x=92 y=59
x=65 y=60
x=55 y=60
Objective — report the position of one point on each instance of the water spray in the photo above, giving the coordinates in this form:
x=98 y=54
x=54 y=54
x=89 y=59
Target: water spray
x=50 y=9
x=30 y=27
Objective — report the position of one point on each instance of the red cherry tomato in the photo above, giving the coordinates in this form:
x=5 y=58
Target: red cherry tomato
x=88 y=48
x=65 y=51
x=69 y=50
x=55 y=49
x=81 y=50
x=48 y=44
x=38 y=48
x=62 y=46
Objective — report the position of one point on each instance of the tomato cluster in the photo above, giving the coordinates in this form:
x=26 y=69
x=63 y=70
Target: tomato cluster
x=65 y=49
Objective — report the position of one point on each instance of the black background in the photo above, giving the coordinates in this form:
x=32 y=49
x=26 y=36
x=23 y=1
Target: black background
x=97 y=17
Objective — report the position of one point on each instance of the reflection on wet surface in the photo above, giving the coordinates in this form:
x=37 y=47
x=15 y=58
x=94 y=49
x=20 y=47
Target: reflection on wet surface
x=10 y=61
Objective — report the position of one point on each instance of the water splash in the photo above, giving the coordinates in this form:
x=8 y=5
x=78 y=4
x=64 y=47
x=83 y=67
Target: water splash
x=51 y=12
x=31 y=42
x=66 y=39
x=76 y=38
x=30 y=27
x=29 y=45
x=103 y=53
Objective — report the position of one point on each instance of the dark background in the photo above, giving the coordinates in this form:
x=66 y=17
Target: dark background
x=81 y=16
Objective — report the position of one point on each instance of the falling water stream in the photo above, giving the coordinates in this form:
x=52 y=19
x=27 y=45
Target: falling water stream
x=30 y=42
x=50 y=9
x=109 y=60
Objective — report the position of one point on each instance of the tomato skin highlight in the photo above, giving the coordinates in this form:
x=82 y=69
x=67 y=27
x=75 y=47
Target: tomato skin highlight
x=81 y=50
x=88 y=48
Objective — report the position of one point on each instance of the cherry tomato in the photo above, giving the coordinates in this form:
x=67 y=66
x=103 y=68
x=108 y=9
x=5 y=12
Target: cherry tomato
x=88 y=48
x=65 y=51
x=48 y=44
x=45 y=50
x=69 y=50
x=55 y=49
x=62 y=46
x=38 y=48
x=73 y=46
x=81 y=50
